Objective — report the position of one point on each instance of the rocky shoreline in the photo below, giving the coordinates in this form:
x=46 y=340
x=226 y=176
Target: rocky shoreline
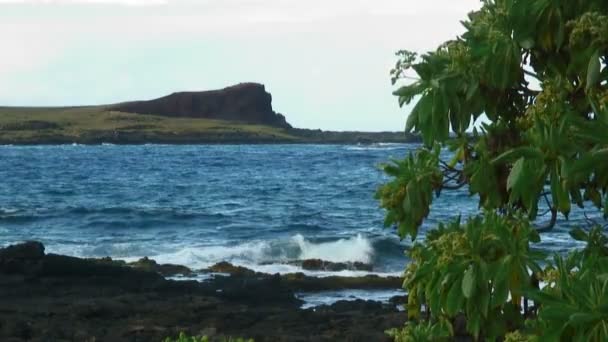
x=48 y=297
x=140 y=137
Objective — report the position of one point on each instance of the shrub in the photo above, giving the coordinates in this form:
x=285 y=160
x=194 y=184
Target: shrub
x=185 y=338
x=537 y=70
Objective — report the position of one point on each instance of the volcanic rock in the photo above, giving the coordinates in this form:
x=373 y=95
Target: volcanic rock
x=167 y=270
x=322 y=265
x=245 y=102
x=47 y=297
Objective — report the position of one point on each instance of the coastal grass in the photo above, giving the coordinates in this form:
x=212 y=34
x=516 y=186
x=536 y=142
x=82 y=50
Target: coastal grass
x=92 y=123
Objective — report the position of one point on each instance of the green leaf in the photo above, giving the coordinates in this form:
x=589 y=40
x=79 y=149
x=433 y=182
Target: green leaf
x=593 y=70
x=454 y=299
x=516 y=173
x=468 y=282
x=534 y=236
x=472 y=90
x=412 y=121
x=555 y=312
x=527 y=43
x=579 y=234
x=516 y=153
x=583 y=318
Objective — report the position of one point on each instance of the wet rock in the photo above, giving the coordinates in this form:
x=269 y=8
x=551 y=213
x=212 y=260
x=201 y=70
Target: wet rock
x=355 y=305
x=109 y=261
x=322 y=265
x=302 y=282
x=256 y=289
x=21 y=259
x=30 y=250
x=398 y=300
x=228 y=268
x=19 y=329
x=59 y=298
x=167 y=270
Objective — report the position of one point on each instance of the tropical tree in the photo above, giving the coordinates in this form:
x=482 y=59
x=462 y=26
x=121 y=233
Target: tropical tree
x=534 y=72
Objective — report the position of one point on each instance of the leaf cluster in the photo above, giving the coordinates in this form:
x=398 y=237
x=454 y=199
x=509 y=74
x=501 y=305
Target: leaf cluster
x=536 y=71
x=408 y=197
x=183 y=337
x=479 y=269
x=574 y=303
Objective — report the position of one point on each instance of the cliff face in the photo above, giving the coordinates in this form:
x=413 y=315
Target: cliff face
x=245 y=102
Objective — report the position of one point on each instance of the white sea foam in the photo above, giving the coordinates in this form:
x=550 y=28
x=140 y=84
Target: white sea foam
x=272 y=256
x=353 y=249
x=315 y=299
x=205 y=256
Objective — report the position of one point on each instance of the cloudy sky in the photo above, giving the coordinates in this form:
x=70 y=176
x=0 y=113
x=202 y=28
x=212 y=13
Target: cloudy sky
x=326 y=62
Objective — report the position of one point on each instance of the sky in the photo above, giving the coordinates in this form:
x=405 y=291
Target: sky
x=325 y=62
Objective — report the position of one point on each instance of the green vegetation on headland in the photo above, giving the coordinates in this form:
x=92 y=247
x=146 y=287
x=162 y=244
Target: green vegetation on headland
x=538 y=69
x=96 y=125
x=241 y=113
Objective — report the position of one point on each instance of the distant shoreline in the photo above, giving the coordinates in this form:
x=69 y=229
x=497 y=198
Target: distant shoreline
x=239 y=135
x=97 y=125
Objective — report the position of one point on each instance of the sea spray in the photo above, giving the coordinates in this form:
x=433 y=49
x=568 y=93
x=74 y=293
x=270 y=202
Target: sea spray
x=275 y=256
x=353 y=249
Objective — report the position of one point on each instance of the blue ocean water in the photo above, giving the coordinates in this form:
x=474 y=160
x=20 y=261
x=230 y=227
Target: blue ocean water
x=260 y=206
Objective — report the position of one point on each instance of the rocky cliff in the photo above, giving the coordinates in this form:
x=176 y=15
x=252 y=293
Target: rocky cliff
x=245 y=102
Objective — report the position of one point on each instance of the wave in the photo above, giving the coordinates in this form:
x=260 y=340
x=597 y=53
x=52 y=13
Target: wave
x=273 y=256
x=355 y=249
x=204 y=256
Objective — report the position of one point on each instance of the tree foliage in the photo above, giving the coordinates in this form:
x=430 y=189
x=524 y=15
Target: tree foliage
x=536 y=71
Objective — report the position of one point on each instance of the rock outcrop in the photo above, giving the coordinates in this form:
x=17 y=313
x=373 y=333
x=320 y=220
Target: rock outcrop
x=323 y=265
x=47 y=297
x=166 y=270
x=245 y=102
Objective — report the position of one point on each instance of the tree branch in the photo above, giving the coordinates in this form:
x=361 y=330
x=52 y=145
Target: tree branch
x=551 y=224
x=530 y=73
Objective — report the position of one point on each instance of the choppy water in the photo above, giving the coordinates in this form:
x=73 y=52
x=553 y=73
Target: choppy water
x=257 y=206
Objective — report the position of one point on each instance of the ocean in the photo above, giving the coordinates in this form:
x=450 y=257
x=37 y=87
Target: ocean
x=259 y=206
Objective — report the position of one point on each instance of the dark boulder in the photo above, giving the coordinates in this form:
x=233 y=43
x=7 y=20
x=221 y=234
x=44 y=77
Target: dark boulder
x=302 y=282
x=355 y=305
x=228 y=268
x=24 y=258
x=167 y=270
x=27 y=250
x=322 y=265
x=256 y=289
x=245 y=102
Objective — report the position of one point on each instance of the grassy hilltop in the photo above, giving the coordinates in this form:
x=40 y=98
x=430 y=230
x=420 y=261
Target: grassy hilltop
x=238 y=114
x=20 y=125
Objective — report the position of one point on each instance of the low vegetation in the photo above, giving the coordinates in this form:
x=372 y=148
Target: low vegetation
x=538 y=71
x=96 y=125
